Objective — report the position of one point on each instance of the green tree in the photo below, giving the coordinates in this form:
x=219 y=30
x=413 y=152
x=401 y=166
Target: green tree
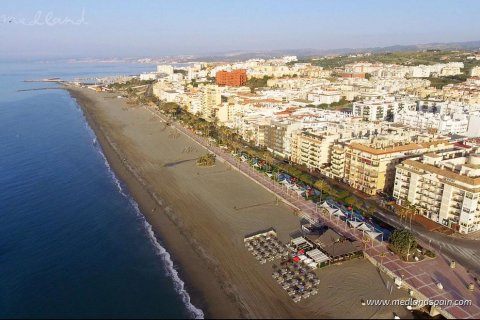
x=171 y=108
x=206 y=160
x=403 y=242
x=254 y=83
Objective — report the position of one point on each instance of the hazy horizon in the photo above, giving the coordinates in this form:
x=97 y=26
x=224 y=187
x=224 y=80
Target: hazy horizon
x=55 y=29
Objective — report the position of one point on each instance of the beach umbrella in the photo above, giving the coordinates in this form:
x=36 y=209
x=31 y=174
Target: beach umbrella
x=354 y=224
x=338 y=213
x=373 y=234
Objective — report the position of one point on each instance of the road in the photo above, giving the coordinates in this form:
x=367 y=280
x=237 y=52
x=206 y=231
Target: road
x=464 y=251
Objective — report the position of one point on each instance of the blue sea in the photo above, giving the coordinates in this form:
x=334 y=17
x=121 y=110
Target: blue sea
x=72 y=241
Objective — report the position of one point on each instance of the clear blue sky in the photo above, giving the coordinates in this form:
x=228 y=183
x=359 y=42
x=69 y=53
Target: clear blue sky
x=156 y=28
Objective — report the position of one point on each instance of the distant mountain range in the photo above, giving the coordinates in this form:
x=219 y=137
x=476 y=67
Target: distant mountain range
x=229 y=56
x=307 y=53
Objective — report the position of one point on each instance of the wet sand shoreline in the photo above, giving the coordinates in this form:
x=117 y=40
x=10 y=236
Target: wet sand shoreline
x=147 y=201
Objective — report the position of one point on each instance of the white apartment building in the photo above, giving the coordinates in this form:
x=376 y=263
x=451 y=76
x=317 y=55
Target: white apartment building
x=442 y=123
x=475 y=72
x=439 y=69
x=175 y=77
x=168 y=91
x=193 y=103
x=165 y=68
x=287 y=59
x=271 y=71
x=148 y=76
x=390 y=72
x=450 y=71
x=379 y=110
x=419 y=72
x=311 y=148
x=370 y=163
x=362 y=67
x=196 y=74
x=443 y=186
x=159 y=87
x=473 y=130
x=324 y=97
x=170 y=96
x=227 y=113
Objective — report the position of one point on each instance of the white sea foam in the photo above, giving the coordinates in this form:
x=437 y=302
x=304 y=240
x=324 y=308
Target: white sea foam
x=178 y=283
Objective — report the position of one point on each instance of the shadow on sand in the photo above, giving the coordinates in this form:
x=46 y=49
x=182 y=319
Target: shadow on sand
x=173 y=164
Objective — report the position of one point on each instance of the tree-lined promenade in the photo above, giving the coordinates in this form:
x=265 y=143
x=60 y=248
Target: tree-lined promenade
x=424 y=277
x=460 y=250
x=227 y=137
x=464 y=251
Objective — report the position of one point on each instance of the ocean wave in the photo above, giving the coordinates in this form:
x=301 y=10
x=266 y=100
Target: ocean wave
x=178 y=284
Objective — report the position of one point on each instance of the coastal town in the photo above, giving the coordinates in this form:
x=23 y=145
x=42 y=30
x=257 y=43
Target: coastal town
x=377 y=159
x=356 y=124
x=240 y=159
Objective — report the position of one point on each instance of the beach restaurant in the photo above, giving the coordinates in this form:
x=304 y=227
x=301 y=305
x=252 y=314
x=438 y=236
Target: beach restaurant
x=336 y=246
x=308 y=253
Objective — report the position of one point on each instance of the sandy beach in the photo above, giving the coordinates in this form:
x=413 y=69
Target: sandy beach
x=201 y=216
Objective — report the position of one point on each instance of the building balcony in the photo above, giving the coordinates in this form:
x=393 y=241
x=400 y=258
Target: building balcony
x=455 y=212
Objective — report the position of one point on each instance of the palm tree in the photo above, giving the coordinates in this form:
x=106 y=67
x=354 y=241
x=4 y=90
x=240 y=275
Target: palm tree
x=223 y=132
x=236 y=146
x=409 y=209
x=269 y=159
x=413 y=211
x=204 y=126
x=403 y=210
x=320 y=185
x=229 y=133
